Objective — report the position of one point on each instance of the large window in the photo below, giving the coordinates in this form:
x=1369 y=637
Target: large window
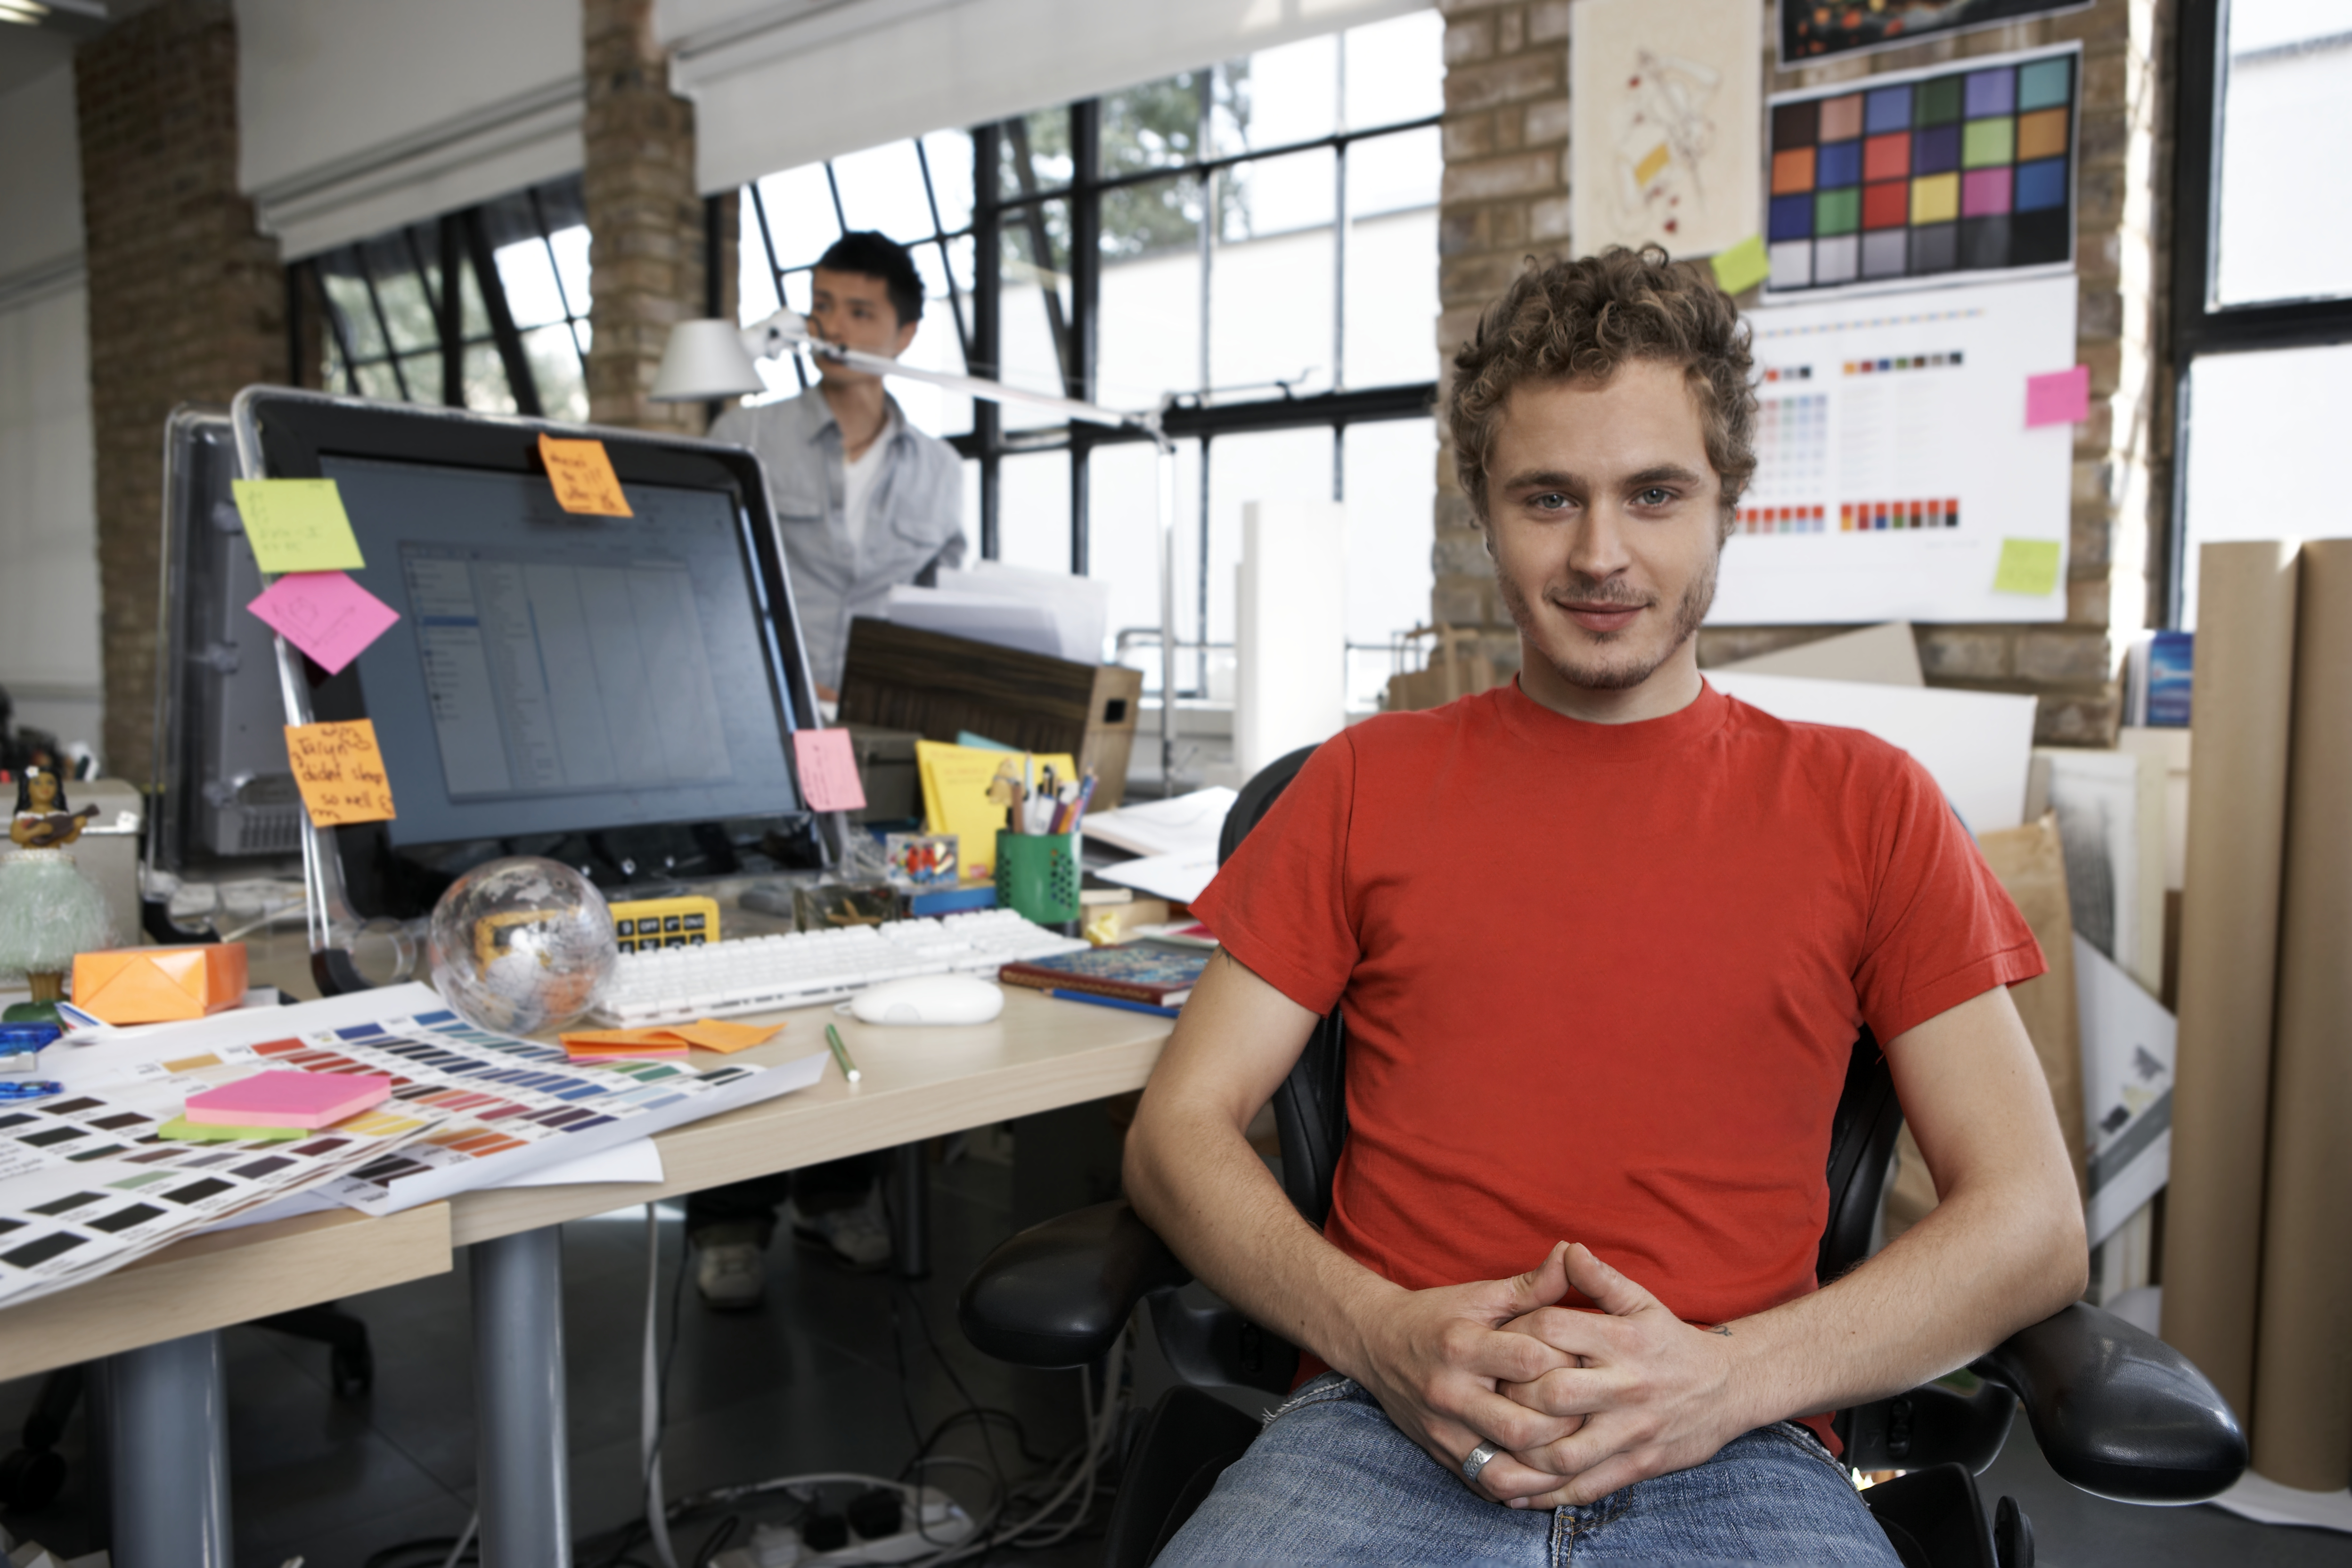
x=511 y=338
x=1256 y=240
x=2263 y=276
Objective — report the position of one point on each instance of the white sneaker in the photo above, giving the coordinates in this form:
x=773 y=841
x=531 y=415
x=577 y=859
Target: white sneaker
x=858 y=1236
x=730 y=1275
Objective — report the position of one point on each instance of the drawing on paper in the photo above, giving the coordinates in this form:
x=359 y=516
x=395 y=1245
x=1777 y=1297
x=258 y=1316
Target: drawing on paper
x=1664 y=145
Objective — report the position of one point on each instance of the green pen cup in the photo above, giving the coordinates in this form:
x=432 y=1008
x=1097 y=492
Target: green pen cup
x=1037 y=876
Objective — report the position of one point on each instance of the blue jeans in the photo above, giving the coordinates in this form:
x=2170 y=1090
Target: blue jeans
x=1331 y=1479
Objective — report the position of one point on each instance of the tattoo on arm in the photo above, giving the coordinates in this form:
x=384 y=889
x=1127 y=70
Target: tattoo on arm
x=1723 y=1329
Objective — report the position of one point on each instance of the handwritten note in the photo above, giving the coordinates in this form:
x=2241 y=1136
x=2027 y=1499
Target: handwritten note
x=582 y=473
x=340 y=772
x=2062 y=397
x=828 y=769
x=1742 y=266
x=2028 y=566
x=324 y=614
x=297 y=525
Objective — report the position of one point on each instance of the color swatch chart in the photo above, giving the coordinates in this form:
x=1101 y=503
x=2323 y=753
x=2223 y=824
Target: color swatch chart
x=1924 y=174
x=86 y=1184
x=512 y=1105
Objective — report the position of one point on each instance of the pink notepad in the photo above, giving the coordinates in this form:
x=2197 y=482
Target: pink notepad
x=289 y=1099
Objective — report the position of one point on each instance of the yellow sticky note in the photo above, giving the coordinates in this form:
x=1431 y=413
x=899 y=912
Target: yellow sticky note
x=297 y=525
x=1742 y=266
x=340 y=771
x=2028 y=566
x=582 y=473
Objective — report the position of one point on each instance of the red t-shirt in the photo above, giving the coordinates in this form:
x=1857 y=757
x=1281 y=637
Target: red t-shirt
x=1601 y=981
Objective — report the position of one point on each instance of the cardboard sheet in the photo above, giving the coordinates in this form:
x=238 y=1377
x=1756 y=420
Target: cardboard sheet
x=2229 y=959
x=1886 y=655
x=2301 y=1428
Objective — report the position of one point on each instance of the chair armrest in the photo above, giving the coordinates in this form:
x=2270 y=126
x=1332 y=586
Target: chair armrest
x=2119 y=1411
x=1057 y=1294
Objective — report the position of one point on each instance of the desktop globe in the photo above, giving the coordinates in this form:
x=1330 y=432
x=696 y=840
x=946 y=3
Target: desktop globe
x=521 y=944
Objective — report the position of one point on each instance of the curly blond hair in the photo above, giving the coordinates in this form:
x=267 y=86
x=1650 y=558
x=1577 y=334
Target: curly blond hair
x=1575 y=320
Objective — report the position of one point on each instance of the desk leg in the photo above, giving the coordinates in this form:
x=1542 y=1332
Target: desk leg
x=167 y=1455
x=910 y=1214
x=520 y=1453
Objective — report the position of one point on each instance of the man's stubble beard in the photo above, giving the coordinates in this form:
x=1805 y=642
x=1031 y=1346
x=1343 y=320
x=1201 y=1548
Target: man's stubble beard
x=1696 y=600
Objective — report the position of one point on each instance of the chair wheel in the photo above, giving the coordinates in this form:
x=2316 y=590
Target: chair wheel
x=30 y=1480
x=2013 y=1535
x=351 y=1371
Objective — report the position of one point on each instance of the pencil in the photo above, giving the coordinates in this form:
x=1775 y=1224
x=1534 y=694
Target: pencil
x=841 y=1053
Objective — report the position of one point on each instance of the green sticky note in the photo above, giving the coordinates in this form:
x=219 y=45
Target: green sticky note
x=1742 y=266
x=181 y=1129
x=297 y=525
x=2028 y=566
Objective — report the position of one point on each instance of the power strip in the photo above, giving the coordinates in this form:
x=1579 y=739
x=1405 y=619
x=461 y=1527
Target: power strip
x=944 y=1525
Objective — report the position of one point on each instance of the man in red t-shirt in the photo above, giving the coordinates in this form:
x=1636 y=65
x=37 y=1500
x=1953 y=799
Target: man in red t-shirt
x=1603 y=939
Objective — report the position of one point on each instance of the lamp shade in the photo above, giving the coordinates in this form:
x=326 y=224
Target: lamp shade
x=705 y=359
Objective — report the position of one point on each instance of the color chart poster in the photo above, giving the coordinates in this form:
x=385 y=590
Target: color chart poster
x=1666 y=101
x=1914 y=177
x=1896 y=479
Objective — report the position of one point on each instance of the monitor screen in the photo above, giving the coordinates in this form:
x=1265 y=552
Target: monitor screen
x=554 y=673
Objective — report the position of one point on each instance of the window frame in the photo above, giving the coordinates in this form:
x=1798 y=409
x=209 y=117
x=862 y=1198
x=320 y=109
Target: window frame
x=2198 y=327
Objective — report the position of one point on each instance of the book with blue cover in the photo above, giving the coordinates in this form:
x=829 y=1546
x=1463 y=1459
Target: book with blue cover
x=1161 y=973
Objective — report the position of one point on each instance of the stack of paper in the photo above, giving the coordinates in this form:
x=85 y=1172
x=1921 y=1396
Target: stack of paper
x=670 y=1040
x=1051 y=613
x=1176 y=840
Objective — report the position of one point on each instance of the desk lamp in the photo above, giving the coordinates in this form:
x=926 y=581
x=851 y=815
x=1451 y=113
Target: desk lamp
x=710 y=359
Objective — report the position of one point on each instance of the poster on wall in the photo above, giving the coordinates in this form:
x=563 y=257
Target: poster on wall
x=1665 y=101
x=1914 y=177
x=1810 y=31
x=1897 y=475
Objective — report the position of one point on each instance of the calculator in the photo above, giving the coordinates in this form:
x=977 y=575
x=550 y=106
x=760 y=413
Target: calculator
x=642 y=925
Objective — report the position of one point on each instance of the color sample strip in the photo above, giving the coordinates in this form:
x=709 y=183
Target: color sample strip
x=1962 y=171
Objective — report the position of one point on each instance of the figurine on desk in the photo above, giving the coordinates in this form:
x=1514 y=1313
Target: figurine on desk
x=42 y=820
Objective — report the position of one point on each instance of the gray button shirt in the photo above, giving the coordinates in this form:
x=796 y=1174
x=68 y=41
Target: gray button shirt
x=914 y=523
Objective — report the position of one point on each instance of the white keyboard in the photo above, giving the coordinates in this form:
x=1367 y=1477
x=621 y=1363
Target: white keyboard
x=763 y=974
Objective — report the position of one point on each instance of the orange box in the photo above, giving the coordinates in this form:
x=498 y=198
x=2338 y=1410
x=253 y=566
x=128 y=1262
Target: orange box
x=159 y=984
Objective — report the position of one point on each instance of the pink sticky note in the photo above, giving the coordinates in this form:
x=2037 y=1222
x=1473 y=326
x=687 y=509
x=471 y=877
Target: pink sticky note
x=289 y=1099
x=2062 y=397
x=828 y=769
x=324 y=614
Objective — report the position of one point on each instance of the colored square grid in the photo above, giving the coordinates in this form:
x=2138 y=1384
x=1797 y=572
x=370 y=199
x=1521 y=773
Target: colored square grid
x=1839 y=164
x=1797 y=124
x=1792 y=264
x=1936 y=103
x=2042 y=134
x=1935 y=198
x=1886 y=157
x=1985 y=142
x=1888 y=109
x=1841 y=118
x=1838 y=212
x=1992 y=92
x=2042 y=185
x=1936 y=149
x=1837 y=260
x=1984 y=192
x=1792 y=170
x=1791 y=217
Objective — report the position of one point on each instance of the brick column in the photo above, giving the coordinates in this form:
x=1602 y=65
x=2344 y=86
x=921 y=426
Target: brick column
x=1505 y=197
x=186 y=301
x=644 y=215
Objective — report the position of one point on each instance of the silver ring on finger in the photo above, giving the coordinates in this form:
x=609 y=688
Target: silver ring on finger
x=1480 y=1458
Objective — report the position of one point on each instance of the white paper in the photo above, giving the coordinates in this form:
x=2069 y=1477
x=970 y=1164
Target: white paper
x=1830 y=436
x=1977 y=745
x=1188 y=822
x=1178 y=879
x=639 y=1160
x=1080 y=605
x=1007 y=623
x=1665 y=101
x=2267 y=1502
x=2127 y=1057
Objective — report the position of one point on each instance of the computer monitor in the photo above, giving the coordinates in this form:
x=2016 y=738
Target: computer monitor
x=223 y=801
x=618 y=693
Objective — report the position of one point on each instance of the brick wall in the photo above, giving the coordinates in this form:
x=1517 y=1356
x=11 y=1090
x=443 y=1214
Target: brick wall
x=644 y=216
x=1506 y=197
x=186 y=301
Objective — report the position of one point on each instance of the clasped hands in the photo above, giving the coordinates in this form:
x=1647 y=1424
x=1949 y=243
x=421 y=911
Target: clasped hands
x=1579 y=1403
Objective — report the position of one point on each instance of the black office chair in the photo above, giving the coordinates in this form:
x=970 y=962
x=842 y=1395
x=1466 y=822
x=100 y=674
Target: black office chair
x=2118 y=1412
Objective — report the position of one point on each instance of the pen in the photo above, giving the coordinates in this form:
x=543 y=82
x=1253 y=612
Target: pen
x=841 y=1053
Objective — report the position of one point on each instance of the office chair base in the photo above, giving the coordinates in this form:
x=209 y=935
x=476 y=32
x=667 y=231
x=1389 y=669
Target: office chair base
x=1935 y=1519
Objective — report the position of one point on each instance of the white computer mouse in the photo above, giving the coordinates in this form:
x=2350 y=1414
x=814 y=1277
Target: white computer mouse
x=928 y=999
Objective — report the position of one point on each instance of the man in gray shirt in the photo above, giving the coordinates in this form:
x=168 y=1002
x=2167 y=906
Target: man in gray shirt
x=863 y=500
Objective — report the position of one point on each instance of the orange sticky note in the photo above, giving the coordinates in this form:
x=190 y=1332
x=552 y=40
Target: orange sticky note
x=159 y=984
x=828 y=769
x=582 y=473
x=712 y=1035
x=340 y=771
